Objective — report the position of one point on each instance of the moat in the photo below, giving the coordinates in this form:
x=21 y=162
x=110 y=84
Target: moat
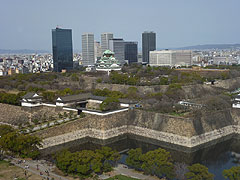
x=217 y=155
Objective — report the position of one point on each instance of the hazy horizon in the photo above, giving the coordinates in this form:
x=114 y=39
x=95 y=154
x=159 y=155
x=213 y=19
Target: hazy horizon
x=27 y=24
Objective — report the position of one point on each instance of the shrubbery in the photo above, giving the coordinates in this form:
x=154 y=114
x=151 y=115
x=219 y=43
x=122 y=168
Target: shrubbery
x=86 y=162
x=106 y=92
x=110 y=103
x=12 y=141
x=157 y=162
x=9 y=98
x=117 y=78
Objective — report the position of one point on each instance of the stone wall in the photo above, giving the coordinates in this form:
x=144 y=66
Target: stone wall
x=190 y=91
x=227 y=84
x=188 y=132
x=90 y=121
x=12 y=114
x=16 y=115
x=144 y=132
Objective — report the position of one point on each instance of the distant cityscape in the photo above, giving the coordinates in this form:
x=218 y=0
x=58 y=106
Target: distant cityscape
x=111 y=54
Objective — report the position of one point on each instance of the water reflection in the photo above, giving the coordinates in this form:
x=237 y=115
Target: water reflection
x=216 y=157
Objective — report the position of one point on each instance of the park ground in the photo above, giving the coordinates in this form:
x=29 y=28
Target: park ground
x=9 y=171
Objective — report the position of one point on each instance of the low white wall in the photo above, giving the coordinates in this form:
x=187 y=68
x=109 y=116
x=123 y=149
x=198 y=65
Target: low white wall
x=104 y=113
x=25 y=104
x=70 y=109
x=50 y=105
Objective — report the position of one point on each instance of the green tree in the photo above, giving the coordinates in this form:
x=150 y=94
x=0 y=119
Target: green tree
x=134 y=158
x=9 y=98
x=83 y=163
x=20 y=144
x=64 y=160
x=198 y=172
x=106 y=157
x=158 y=162
x=110 y=103
x=5 y=129
x=232 y=173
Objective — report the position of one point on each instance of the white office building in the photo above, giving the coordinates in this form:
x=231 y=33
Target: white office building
x=170 y=58
x=88 y=49
x=105 y=37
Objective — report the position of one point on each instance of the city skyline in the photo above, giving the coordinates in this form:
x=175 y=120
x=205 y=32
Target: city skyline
x=176 y=23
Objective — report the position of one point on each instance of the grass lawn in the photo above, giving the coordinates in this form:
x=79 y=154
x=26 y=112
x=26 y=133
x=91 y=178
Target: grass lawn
x=8 y=172
x=121 y=177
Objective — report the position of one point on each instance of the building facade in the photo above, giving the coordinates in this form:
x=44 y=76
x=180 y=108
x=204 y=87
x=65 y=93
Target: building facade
x=62 y=49
x=131 y=52
x=88 y=49
x=105 y=37
x=171 y=58
x=117 y=46
x=97 y=50
x=148 y=44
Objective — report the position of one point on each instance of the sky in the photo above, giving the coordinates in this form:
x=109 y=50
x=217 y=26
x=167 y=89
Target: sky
x=27 y=24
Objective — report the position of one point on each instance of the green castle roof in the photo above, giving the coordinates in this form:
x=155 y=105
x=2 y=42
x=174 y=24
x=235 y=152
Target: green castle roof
x=108 y=52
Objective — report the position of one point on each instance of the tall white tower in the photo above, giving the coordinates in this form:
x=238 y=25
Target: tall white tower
x=105 y=37
x=88 y=49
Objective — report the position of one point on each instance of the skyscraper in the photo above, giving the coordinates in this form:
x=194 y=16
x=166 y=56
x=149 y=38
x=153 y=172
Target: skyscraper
x=62 y=49
x=105 y=40
x=148 y=44
x=117 y=46
x=88 y=49
x=131 y=51
x=97 y=51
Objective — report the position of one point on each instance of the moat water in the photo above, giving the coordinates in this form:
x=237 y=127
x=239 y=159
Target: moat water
x=216 y=156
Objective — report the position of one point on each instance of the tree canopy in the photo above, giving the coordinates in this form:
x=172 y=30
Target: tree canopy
x=110 y=103
x=85 y=162
x=157 y=162
x=232 y=173
x=17 y=143
x=198 y=172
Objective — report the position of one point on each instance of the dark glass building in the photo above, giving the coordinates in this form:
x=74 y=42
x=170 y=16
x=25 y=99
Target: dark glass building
x=131 y=51
x=148 y=44
x=62 y=49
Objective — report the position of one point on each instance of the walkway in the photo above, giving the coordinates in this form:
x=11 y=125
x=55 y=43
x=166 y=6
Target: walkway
x=37 y=167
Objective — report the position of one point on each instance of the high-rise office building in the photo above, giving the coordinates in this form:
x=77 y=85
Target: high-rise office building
x=97 y=51
x=105 y=40
x=62 y=49
x=88 y=49
x=131 y=51
x=117 y=46
x=148 y=44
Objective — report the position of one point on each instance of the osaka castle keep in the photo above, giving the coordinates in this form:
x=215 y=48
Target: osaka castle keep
x=108 y=62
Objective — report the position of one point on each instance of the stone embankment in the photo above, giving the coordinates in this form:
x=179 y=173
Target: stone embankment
x=148 y=133
x=187 y=132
